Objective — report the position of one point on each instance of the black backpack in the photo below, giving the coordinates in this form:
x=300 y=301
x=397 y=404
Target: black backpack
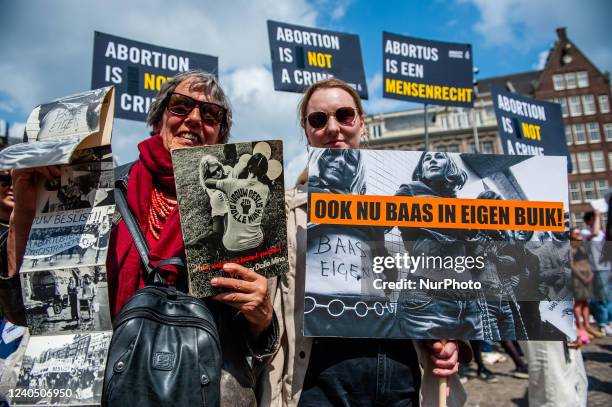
x=165 y=349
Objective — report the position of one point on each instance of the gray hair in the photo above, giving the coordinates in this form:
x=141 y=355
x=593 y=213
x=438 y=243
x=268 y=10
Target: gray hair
x=200 y=80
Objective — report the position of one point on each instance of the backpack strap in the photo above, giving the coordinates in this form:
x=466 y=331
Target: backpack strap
x=152 y=272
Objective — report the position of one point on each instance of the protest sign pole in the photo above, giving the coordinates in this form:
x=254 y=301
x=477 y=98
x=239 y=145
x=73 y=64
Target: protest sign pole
x=426 y=132
x=475 y=130
x=474 y=112
x=442 y=383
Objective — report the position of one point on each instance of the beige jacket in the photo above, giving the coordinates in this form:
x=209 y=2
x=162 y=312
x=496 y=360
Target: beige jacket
x=282 y=381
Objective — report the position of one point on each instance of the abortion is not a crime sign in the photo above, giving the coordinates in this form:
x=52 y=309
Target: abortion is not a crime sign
x=302 y=56
x=137 y=70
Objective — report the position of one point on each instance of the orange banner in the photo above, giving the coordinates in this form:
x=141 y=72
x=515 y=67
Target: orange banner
x=443 y=213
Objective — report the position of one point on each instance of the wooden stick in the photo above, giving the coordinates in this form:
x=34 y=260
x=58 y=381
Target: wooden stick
x=442 y=383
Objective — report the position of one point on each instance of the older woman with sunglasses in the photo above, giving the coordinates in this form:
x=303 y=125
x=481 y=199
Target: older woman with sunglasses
x=190 y=110
x=343 y=371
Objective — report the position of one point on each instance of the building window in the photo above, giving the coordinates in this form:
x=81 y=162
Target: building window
x=574 y=189
x=574 y=165
x=602 y=187
x=608 y=131
x=593 y=130
x=570 y=80
x=588 y=102
x=452 y=148
x=598 y=161
x=472 y=148
x=583 y=79
x=584 y=162
x=486 y=147
x=568 y=135
x=558 y=82
x=463 y=120
x=604 y=104
x=443 y=122
x=452 y=119
x=574 y=106
x=375 y=130
x=579 y=135
x=563 y=103
x=588 y=189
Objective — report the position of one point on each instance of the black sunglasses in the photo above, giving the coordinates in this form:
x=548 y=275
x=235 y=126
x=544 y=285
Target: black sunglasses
x=181 y=105
x=344 y=115
x=6 y=180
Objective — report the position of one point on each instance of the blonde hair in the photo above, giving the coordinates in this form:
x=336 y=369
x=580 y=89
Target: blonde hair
x=328 y=83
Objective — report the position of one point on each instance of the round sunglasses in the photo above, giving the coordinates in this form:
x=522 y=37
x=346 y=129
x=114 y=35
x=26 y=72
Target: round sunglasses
x=345 y=116
x=181 y=105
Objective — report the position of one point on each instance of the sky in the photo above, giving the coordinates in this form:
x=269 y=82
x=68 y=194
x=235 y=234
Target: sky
x=47 y=49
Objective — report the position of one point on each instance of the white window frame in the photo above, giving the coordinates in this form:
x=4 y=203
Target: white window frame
x=576 y=132
x=607 y=129
x=583 y=79
x=574 y=163
x=569 y=137
x=598 y=161
x=570 y=80
x=575 y=107
x=604 y=103
x=576 y=190
x=584 y=162
x=602 y=187
x=593 y=130
x=588 y=105
x=585 y=190
x=558 y=82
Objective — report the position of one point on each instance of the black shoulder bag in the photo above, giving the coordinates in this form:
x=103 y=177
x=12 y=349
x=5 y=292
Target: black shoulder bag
x=165 y=349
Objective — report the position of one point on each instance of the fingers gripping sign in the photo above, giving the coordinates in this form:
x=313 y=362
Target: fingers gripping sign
x=248 y=293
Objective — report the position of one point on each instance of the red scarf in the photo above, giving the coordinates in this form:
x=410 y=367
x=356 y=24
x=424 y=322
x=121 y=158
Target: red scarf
x=125 y=273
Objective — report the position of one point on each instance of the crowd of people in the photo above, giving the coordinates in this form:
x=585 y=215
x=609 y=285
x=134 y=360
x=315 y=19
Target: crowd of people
x=261 y=320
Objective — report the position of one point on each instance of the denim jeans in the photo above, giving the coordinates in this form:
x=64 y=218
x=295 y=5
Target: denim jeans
x=424 y=316
x=501 y=320
x=601 y=302
x=362 y=373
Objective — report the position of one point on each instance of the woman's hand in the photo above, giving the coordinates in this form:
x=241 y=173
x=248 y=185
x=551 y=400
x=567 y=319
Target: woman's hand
x=25 y=192
x=248 y=294
x=445 y=357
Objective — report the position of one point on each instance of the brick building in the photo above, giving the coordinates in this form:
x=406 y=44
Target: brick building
x=568 y=78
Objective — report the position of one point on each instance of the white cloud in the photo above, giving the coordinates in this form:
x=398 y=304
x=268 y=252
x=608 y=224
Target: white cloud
x=541 y=60
x=52 y=58
x=16 y=130
x=523 y=24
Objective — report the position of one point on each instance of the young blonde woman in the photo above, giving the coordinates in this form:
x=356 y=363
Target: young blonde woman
x=343 y=371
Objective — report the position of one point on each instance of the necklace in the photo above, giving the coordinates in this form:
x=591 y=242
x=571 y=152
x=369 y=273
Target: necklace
x=161 y=206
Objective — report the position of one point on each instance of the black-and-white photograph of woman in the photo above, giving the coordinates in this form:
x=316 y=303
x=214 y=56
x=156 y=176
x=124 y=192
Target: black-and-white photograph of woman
x=339 y=290
x=66 y=300
x=436 y=313
x=229 y=206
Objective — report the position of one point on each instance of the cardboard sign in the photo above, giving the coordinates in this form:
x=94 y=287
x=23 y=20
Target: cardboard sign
x=137 y=70
x=528 y=126
x=425 y=71
x=302 y=56
x=406 y=244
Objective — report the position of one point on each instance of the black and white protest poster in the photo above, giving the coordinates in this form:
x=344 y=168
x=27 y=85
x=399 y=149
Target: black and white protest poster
x=55 y=131
x=427 y=71
x=433 y=245
x=529 y=126
x=73 y=218
x=232 y=204
x=63 y=370
x=63 y=272
x=137 y=70
x=302 y=56
x=66 y=300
